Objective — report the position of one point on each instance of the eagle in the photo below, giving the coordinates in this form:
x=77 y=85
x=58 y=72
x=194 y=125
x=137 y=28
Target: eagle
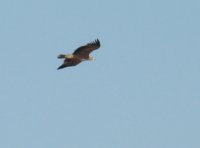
x=80 y=54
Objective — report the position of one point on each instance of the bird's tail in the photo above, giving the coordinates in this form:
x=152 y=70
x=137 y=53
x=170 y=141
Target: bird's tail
x=61 y=56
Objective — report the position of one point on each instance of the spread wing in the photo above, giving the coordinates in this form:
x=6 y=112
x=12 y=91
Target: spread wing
x=69 y=62
x=84 y=51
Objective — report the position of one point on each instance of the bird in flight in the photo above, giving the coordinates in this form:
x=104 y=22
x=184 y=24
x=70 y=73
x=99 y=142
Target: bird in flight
x=79 y=55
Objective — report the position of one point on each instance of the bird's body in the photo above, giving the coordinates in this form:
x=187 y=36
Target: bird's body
x=79 y=55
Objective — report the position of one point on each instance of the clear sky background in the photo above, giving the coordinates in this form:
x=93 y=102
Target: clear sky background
x=142 y=91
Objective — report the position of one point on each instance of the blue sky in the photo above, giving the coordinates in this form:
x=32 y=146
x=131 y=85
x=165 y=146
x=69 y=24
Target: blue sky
x=141 y=91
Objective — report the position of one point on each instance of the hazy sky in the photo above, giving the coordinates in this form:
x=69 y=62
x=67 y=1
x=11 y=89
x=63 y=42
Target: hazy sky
x=142 y=91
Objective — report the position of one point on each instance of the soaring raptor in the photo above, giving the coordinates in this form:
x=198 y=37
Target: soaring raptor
x=79 y=55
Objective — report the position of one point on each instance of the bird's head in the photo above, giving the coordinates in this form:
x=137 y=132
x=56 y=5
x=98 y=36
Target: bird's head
x=69 y=56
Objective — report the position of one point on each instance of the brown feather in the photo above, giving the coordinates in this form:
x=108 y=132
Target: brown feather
x=69 y=62
x=84 y=51
x=79 y=55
